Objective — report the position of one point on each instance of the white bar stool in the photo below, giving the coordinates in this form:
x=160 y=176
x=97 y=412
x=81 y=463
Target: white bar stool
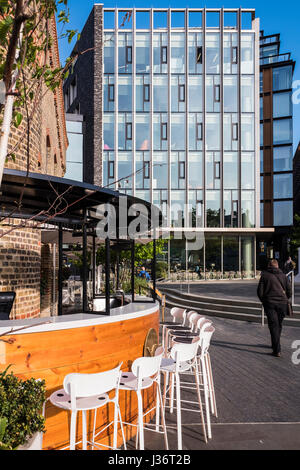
x=144 y=373
x=182 y=358
x=84 y=392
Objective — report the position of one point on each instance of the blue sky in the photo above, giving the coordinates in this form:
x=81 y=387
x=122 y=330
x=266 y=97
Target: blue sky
x=275 y=16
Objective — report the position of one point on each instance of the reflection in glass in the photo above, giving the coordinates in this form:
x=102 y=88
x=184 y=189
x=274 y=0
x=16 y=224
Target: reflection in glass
x=282 y=104
x=230 y=170
x=142 y=137
x=230 y=94
x=160 y=170
x=283 y=186
x=213 y=210
x=125 y=93
x=142 y=53
x=213 y=53
x=283 y=131
x=177 y=53
x=248 y=170
x=247 y=94
x=283 y=158
x=177 y=131
x=247 y=53
x=213 y=256
x=247 y=131
x=195 y=170
x=108 y=131
x=160 y=93
x=247 y=261
x=282 y=78
x=177 y=208
x=248 y=214
x=195 y=93
x=125 y=170
x=230 y=256
x=283 y=213
x=213 y=132
x=109 y=53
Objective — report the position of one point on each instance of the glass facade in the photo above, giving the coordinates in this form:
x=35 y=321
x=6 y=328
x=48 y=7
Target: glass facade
x=74 y=155
x=179 y=99
x=276 y=133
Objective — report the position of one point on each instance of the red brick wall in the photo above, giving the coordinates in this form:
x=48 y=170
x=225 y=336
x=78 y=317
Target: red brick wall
x=20 y=258
x=20 y=250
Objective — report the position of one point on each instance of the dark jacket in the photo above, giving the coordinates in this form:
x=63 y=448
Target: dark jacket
x=271 y=287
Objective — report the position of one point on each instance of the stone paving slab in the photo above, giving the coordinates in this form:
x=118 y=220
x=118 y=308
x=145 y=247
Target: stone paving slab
x=245 y=290
x=255 y=393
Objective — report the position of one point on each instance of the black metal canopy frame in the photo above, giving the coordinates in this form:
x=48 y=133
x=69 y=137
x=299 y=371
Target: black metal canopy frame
x=44 y=199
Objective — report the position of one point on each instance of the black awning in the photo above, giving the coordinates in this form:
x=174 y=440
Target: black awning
x=56 y=200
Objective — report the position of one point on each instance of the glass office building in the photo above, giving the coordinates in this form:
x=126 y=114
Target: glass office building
x=176 y=94
x=276 y=114
x=180 y=128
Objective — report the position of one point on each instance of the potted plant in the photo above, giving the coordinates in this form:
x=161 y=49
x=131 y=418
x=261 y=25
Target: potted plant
x=21 y=412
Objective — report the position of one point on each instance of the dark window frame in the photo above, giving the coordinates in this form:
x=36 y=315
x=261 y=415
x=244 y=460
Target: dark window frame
x=146 y=94
x=199 y=54
x=111 y=166
x=234 y=55
x=181 y=94
x=128 y=131
x=111 y=93
x=235 y=131
x=164 y=54
x=217 y=93
x=217 y=170
x=164 y=127
x=199 y=131
x=146 y=170
x=181 y=170
x=128 y=55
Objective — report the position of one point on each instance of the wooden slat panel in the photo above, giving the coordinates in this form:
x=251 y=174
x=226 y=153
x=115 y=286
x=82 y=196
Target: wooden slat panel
x=53 y=355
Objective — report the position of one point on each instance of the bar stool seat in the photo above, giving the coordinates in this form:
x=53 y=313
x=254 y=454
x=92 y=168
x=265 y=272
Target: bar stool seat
x=61 y=399
x=129 y=381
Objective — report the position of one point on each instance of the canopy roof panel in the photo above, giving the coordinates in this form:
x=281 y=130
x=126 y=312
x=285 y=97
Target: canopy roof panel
x=56 y=200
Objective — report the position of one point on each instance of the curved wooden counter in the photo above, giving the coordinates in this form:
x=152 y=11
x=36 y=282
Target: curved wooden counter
x=80 y=343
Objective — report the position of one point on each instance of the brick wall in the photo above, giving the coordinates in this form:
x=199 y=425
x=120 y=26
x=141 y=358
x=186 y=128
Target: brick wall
x=20 y=257
x=20 y=250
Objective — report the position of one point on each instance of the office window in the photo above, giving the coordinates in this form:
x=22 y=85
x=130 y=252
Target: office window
x=247 y=53
x=247 y=94
x=195 y=93
x=146 y=92
x=230 y=170
x=283 y=186
x=177 y=53
x=160 y=93
x=142 y=53
x=282 y=78
x=283 y=158
x=282 y=104
x=213 y=53
x=282 y=131
x=283 y=213
x=195 y=170
x=230 y=94
x=111 y=93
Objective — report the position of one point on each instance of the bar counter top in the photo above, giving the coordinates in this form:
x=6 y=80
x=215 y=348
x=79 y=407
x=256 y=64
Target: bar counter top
x=78 y=320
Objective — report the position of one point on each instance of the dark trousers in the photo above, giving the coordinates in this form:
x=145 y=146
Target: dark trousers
x=275 y=314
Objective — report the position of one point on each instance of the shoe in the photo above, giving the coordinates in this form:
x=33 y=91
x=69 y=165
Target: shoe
x=276 y=354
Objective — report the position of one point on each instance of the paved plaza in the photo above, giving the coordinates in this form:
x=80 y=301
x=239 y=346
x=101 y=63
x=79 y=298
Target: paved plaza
x=258 y=395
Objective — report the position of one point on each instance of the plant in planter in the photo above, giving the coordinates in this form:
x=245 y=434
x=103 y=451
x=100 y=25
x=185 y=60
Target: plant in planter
x=21 y=404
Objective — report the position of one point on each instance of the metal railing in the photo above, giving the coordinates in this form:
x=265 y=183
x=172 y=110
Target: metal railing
x=290 y=275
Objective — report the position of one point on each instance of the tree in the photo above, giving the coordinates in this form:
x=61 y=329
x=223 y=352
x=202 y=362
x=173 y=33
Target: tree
x=295 y=237
x=25 y=42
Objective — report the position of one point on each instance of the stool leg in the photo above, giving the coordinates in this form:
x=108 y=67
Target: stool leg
x=94 y=427
x=157 y=402
x=178 y=408
x=140 y=420
x=163 y=418
x=73 y=430
x=115 y=439
x=171 y=392
x=206 y=397
x=122 y=428
x=199 y=400
x=212 y=386
x=84 y=432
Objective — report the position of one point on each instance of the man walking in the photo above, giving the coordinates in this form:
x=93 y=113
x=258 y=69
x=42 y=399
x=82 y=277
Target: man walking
x=274 y=291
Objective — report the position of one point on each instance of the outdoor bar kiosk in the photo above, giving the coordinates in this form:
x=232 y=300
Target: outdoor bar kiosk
x=88 y=342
